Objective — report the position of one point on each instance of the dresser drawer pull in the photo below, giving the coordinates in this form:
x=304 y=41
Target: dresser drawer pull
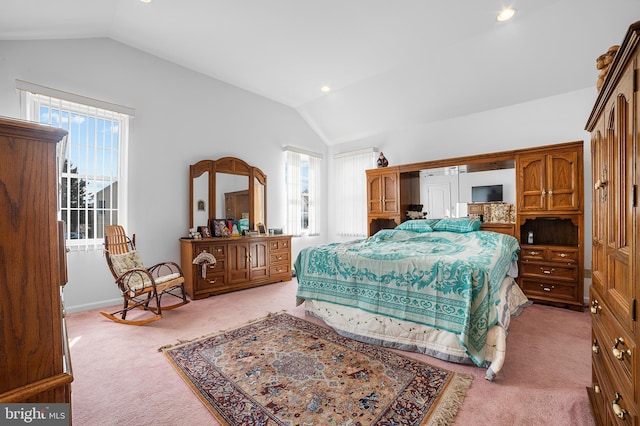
x=547 y=271
x=547 y=289
x=595 y=307
x=213 y=281
x=617 y=409
x=534 y=253
x=617 y=352
x=562 y=255
x=595 y=347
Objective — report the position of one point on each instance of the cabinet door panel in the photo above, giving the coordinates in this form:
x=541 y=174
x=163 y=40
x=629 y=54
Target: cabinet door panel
x=258 y=260
x=532 y=181
x=563 y=181
x=374 y=194
x=619 y=288
x=237 y=258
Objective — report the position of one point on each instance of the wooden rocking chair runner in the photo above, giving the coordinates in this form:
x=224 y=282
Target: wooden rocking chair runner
x=141 y=287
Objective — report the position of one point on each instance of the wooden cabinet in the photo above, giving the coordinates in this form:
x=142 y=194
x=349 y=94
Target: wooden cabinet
x=35 y=364
x=241 y=262
x=383 y=191
x=383 y=198
x=550 y=194
x=615 y=152
x=551 y=268
x=550 y=181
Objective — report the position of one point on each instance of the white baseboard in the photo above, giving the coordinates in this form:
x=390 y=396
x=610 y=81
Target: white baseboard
x=94 y=305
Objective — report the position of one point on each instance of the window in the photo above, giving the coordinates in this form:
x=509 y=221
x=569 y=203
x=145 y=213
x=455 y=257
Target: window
x=92 y=176
x=302 y=176
x=351 y=191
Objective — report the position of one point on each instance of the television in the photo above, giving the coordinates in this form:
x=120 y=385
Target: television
x=486 y=194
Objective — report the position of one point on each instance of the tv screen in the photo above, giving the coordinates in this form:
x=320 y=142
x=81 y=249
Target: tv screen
x=486 y=194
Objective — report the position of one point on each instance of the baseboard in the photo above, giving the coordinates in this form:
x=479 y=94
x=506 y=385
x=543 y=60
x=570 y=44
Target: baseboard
x=94 y=305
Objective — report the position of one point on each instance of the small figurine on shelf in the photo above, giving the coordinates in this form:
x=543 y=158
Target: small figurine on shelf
x=382 y=161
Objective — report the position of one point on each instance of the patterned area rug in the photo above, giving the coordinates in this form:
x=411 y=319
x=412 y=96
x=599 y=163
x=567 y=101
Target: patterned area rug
x=282 y=370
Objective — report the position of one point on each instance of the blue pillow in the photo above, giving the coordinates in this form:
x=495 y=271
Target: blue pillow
x=457 y=224
x=416 y=225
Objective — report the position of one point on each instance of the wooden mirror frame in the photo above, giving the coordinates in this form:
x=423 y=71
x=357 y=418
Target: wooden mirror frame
x=234 y=166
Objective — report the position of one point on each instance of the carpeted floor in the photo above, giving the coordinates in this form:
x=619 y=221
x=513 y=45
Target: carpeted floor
x=121 y=378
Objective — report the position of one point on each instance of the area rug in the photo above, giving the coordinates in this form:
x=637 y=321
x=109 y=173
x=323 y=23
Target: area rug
x=283 y=370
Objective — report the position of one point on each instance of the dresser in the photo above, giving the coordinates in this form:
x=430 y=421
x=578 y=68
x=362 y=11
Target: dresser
x=615 y=391
x=241 y=262
x=35 y=364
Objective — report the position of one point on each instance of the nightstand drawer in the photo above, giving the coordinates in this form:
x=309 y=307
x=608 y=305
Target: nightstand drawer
x=566 y=255
x=549 y=270
x=549 y=288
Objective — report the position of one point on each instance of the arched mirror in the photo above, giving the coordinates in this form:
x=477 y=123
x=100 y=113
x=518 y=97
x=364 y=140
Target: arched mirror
x=227 y=188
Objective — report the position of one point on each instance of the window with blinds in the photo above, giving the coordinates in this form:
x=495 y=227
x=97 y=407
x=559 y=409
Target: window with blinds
x=351 y=191
x=92 y=179
x=302 y=175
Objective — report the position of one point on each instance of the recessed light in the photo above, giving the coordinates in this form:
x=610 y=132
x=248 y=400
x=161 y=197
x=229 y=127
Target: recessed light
x=506 y=14
x=325 y=89
x=145 y=1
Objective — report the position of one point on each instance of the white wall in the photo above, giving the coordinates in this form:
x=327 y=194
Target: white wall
x=181 y=117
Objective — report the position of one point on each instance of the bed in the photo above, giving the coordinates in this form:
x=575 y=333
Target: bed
x=439 y=287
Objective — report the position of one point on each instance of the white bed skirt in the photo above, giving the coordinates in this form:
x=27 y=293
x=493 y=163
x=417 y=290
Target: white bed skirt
x=393 y=333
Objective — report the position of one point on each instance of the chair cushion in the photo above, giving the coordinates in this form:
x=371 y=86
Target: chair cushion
x=125 y=262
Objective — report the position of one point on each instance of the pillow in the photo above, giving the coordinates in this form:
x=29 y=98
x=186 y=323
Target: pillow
x=457 y=224
x=415 y=225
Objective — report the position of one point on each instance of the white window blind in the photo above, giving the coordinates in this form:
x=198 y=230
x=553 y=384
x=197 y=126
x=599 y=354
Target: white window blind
x=351 y=191
x=302 y=174
x=93 y=178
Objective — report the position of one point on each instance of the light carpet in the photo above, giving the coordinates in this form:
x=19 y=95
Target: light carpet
x=282 y=370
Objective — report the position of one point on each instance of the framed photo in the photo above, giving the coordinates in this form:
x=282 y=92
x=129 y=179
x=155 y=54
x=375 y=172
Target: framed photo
x=220 y=228
x=261 y=228
x=205 y=231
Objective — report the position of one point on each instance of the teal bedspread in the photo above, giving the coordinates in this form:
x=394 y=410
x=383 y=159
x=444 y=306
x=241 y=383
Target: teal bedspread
x=446 y=280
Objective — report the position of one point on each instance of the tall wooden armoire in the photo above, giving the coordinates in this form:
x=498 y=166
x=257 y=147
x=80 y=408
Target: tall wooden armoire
x=615 y=156
x=35 y=364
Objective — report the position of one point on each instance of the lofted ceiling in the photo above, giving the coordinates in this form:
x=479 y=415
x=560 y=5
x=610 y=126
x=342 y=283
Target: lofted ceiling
x=389 y=63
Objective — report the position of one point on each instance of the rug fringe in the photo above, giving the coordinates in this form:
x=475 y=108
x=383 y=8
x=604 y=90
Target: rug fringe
x=452 y=397
x=181 y=342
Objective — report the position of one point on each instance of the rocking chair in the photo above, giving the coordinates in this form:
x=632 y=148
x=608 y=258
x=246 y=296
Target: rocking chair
x=141 y=287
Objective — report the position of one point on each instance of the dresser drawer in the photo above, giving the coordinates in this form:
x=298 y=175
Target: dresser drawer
x=548 y=288
x=549 y=270
x=217 y=250
x=279 y=257
x=618 y=349
x=282 y=268
x=556 y=254
x=279 y=244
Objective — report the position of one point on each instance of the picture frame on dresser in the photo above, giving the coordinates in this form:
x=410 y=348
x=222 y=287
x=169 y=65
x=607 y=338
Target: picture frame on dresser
x=218 y=227
x=205 y=231
x=261 y=228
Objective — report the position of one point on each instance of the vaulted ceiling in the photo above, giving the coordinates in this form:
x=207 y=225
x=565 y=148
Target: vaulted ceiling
x=389 y=63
